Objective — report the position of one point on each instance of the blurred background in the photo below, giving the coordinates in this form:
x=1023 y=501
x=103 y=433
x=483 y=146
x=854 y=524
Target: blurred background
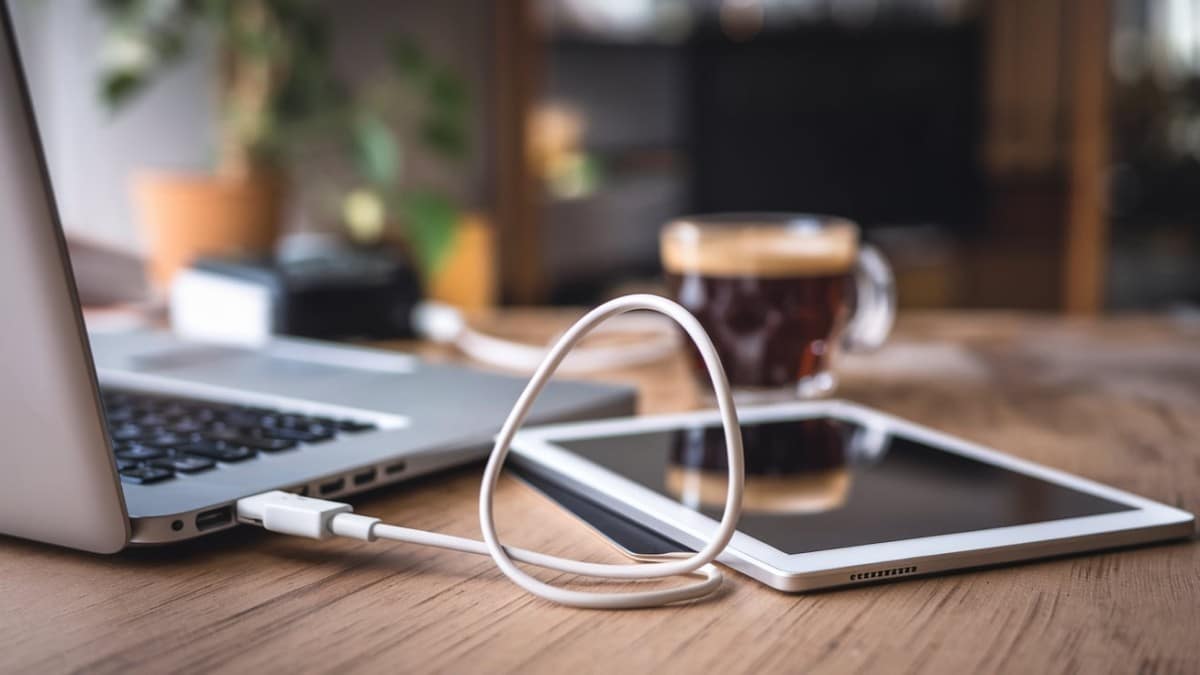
x=1029 y=154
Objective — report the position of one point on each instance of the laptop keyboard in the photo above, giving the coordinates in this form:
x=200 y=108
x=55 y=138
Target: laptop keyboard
x=157 y=438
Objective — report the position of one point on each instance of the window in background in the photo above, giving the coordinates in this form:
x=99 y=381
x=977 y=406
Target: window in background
x=1155 y=182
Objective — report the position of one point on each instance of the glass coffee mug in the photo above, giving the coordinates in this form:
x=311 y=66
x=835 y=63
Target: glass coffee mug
x=779 y=295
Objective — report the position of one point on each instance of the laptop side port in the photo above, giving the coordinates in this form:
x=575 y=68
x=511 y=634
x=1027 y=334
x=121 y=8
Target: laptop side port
x=393 y=469
x=365 y=477
x=332 y=486
x=213 y=518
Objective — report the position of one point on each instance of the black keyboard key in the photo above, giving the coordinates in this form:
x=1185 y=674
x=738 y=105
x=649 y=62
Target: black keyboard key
x=268 y=444
x=139 y=453
x=127 y=432
x=164 y=441
x=118 y=415
x=185 y=426
x=223 y=433
x=355 y=427
x=252 y=411
x=314 y=434
x=218 y=450
x=271 y=444
x=143 y=475
x=241 y=419
x=184 y=463
x=205 y=415
x=294 y=421
x=239 y=437
x=173 y=411
x=123 y=464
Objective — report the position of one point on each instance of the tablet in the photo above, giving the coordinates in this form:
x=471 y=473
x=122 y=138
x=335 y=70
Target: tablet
x=836 y=494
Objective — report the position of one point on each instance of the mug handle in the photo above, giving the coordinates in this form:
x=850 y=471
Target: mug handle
x=875 y=302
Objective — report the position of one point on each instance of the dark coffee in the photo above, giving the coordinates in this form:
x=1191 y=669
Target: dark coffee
x=772 y=295
x=775 y=292
x=769 y=331
x=791 y=467
x=777 y=449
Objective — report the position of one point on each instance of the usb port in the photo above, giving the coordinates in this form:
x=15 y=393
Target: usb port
x=332 y=486
x=393 y=469
x=364 y=477
x=207 y=520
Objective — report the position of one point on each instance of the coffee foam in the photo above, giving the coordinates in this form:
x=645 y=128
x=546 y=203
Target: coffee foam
x=758 y=250
x=804 y=492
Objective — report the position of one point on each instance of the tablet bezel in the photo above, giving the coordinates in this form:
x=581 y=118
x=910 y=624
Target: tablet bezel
x=536 y=448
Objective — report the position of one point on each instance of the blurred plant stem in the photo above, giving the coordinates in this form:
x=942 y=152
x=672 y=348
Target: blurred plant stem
x=248 y=82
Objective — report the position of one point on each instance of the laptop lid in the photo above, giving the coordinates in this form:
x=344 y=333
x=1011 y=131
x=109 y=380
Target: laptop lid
x=58 y=481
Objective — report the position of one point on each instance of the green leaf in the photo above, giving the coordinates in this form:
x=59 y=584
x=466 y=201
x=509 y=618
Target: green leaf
x=376 y=151
x=168 y=46
x=118 y=87
x=430 y=220
x=407 y=57
x=447 y=92
x=445 y=136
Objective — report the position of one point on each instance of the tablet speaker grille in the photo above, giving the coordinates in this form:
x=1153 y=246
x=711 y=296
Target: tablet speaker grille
x=882 y=574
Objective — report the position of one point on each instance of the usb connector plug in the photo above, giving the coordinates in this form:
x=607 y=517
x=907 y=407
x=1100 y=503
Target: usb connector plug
x=288 y=513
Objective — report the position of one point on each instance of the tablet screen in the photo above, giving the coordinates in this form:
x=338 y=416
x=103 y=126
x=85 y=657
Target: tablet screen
x=825 y=483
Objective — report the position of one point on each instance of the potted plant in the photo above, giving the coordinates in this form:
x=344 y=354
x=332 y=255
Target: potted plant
x=269 y=70
x=278 y=99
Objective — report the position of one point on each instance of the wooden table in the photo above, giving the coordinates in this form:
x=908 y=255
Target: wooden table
x=1117 y=401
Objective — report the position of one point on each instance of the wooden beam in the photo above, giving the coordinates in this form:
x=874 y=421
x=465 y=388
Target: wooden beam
x=519 y=51
x=1086 y=244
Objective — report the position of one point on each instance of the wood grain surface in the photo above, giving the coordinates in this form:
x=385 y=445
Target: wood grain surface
x=1117 y=401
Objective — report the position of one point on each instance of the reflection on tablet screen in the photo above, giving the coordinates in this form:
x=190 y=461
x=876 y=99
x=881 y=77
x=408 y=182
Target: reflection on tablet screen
x=824 y=483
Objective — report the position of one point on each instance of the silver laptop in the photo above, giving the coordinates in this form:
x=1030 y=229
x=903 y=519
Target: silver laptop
x=146 y=439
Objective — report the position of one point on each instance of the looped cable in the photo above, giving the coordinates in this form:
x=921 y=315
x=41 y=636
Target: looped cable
x=700 y=562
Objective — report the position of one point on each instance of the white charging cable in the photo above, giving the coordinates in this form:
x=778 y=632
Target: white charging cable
x=316 y=518
x=446 y=324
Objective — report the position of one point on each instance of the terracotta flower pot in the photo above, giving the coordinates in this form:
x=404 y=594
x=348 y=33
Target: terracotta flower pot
x=189 y=216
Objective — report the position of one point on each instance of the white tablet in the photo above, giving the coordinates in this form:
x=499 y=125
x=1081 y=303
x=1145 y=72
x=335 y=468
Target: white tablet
x=836 y=494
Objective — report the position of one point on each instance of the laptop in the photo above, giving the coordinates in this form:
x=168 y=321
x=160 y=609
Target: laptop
x=141 y=438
